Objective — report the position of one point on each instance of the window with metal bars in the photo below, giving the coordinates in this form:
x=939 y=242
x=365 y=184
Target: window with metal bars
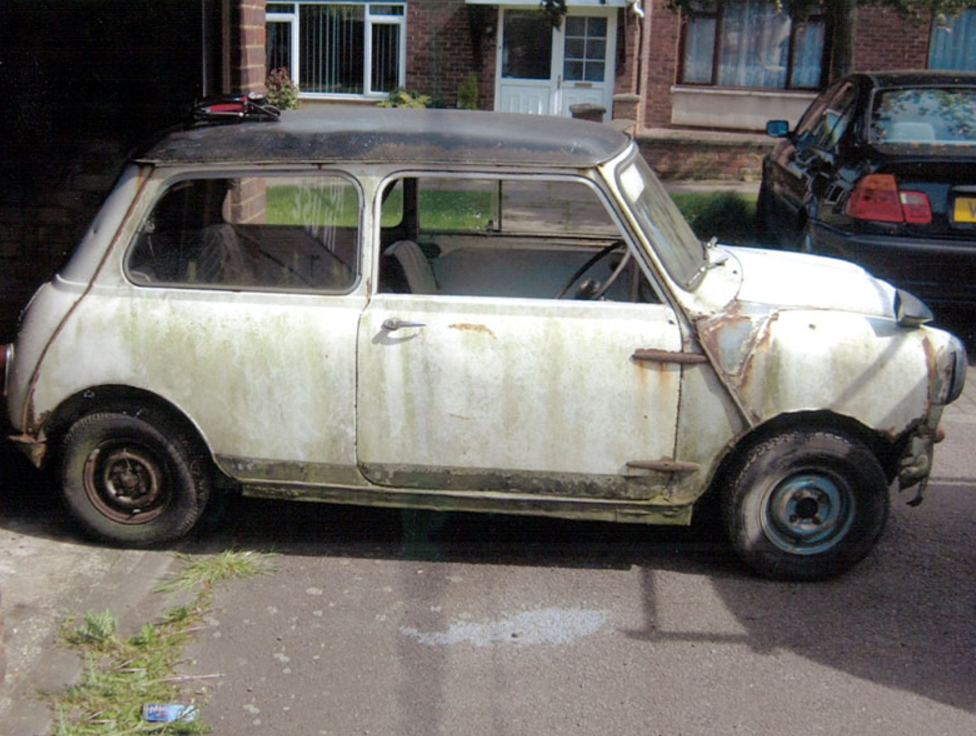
x=344 y=49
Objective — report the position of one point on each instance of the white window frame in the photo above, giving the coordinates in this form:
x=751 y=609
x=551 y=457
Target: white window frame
x=370 y=19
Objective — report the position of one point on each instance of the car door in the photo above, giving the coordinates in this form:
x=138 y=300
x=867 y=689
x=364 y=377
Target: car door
x=489 y=382
x=804 y=165
x=243 y=312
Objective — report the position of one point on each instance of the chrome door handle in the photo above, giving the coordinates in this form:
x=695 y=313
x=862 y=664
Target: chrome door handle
x=392 y=325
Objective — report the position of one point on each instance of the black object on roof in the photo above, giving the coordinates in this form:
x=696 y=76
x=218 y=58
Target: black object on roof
x=234 y=108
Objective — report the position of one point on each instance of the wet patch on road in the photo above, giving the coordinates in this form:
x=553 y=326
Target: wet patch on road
x=552 y=626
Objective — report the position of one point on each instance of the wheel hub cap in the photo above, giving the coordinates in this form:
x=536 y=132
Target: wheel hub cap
x=125 y=484
x=808 y=513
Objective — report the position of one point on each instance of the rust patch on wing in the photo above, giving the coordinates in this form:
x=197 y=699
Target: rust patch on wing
x=473 y=328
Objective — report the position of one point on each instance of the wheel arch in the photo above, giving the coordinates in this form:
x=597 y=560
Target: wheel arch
x=111 y=397
x=885 y=449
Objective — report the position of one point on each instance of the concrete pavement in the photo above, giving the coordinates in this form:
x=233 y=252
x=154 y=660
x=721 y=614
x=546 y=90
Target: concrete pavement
x=47 y=574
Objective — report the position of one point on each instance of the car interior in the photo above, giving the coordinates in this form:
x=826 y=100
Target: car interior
x=516 y=238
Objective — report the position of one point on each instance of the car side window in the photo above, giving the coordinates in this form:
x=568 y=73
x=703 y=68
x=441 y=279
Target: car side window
x=830 y=125
x=508 y=237
x=259 y=233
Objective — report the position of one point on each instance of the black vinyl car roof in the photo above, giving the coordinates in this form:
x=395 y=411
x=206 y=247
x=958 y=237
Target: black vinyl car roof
x=355 y=133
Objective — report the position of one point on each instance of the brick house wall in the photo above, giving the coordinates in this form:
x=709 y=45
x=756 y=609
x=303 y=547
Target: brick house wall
x=447 y=41
x=662 y=35
x=247 y=42
x=86 y=82
x=885 y=40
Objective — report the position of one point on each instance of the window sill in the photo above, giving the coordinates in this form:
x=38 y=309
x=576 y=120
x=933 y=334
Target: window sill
x=324 y=97
x=736 y=109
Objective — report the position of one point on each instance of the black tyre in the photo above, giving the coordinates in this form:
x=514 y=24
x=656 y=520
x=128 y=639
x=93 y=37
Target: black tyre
x=805 y=505
x=133 y=479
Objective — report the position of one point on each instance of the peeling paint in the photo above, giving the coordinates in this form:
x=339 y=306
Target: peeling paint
x=548 y=626
x=473 y=328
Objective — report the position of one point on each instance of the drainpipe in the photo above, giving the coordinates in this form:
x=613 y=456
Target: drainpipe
x=643 y=30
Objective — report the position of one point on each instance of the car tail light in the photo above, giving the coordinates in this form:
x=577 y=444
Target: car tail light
x=877 y=197
x=916 y=207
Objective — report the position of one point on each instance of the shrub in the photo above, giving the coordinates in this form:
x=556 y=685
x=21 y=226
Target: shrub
x=282 y=91
x=468 y=93
x=405 y=98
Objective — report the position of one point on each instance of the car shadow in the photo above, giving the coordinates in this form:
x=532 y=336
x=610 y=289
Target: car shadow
x=905 y=618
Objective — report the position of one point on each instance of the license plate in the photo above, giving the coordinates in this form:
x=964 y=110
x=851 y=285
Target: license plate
x=964 y=209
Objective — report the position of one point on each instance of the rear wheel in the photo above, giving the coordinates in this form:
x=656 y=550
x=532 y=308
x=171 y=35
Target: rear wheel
x=134 y=479
x=805 y=505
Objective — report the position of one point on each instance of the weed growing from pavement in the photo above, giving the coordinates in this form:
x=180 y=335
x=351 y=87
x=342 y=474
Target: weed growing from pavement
x=121 y=675
x=207 y=571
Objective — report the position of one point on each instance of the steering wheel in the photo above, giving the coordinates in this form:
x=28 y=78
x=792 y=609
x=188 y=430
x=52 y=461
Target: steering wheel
x=592 y=261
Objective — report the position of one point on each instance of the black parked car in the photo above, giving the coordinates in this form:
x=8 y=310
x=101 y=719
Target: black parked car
x=881 y=170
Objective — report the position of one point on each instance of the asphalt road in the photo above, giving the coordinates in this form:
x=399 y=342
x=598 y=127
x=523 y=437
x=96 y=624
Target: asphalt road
x=382 y=622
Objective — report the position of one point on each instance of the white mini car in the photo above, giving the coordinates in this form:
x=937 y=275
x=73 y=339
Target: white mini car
x=465 y=311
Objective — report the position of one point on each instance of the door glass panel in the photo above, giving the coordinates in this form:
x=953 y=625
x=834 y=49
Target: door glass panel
x=594 y=72
x=573 y=70
x=527 y=239
x=527 y=48
x=575 y=26
x=596 y=49
x=584 y=53
x=575 y=48
x=596 y=27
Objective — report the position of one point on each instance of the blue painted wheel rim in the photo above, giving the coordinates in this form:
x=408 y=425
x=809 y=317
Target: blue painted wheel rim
x=808 y=513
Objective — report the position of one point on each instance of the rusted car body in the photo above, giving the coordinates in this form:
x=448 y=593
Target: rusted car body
x=465 y=311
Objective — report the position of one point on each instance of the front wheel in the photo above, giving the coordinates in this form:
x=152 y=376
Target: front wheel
x=805 y=505
x=135 y=480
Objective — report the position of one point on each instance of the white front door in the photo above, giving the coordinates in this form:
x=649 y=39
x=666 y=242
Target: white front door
x=544 y=71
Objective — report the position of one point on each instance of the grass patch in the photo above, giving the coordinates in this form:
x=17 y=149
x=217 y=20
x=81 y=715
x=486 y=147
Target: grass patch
x=207 y=571
x=729 y=215
x=121 y=675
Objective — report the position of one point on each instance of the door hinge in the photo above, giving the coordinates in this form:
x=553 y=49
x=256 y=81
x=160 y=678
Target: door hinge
x=653 y=355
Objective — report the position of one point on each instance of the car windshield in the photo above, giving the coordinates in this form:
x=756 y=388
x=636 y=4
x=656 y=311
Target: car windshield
x=676 y=244
x=945 y=116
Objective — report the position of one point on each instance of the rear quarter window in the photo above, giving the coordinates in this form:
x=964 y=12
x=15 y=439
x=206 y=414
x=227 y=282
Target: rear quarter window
x=251 y=233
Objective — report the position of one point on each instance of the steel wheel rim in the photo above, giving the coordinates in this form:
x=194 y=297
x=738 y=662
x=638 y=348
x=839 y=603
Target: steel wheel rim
x=808 y=513
x=125 y=483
